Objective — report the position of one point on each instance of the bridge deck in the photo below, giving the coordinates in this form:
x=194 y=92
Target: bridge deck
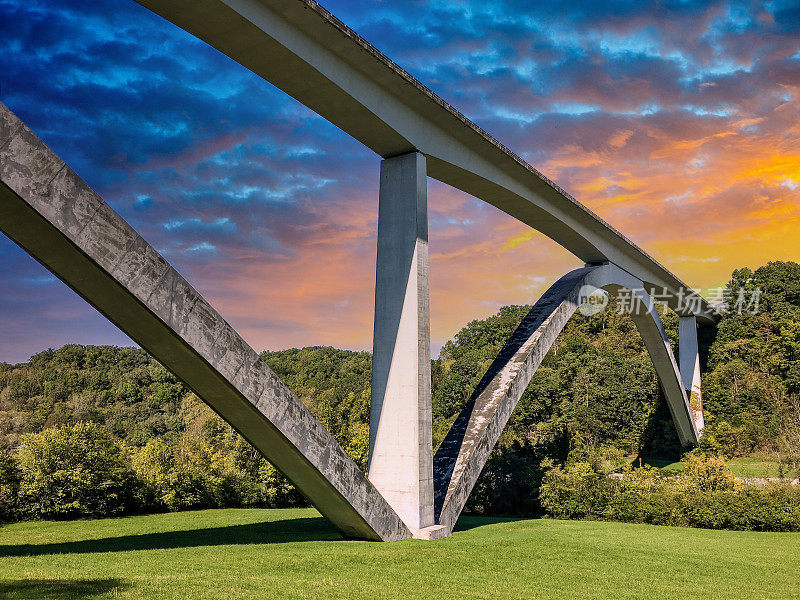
x=304 y=50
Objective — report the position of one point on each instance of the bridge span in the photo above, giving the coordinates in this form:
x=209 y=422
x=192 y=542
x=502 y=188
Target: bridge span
x=305 y=51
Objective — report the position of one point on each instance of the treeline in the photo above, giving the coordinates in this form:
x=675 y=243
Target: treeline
x=102 y=431
x=594 y=400
x=751 y=389
x=81 y=470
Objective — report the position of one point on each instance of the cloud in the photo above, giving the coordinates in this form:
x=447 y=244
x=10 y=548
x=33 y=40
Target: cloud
x=675 y=121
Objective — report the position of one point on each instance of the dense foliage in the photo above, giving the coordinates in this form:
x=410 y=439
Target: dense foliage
x=752 y=386
x=706 y=495
x=123 y=389
x=594 y=400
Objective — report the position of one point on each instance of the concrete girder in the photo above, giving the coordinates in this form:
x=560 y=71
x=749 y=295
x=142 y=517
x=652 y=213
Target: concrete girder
x=304 y=50
x=467 y=446
x=52 y=214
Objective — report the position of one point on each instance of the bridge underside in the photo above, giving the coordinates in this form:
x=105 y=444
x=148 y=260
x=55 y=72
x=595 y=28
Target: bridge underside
x=305 y=51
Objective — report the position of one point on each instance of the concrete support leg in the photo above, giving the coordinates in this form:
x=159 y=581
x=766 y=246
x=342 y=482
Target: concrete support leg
x=60 y=221
x=690 y=366
x=401 y=455
x=466 y=448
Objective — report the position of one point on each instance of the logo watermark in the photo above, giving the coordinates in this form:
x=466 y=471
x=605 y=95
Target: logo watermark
x=592 y=301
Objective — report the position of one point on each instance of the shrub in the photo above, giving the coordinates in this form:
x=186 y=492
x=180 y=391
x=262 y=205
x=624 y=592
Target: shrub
x=643 y=495
x=196 y=474
x=276 y=490
x=78 y=471
x=706 y=495
x=707 y=473
x=577 y=492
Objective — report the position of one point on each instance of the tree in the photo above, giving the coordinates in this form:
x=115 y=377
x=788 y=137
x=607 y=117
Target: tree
x=9 y=486
x=78 y=471
x=168 y=483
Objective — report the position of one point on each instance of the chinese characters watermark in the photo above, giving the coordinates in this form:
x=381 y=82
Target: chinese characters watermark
x=592 y=300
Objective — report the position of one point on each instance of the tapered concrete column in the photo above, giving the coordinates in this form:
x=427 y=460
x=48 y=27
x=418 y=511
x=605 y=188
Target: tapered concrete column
x=401 y=455
x=690 y=366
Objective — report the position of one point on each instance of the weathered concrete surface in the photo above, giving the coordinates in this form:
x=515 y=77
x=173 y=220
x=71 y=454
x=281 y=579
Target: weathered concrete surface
x=461 y=456
x=400 y=449
x=49 y=211
x=689 y=357
x=466 y=448
x=304 y=50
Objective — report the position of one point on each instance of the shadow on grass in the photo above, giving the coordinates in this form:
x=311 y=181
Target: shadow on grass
x=270 y=532
x=468 y=522
x=51 y=589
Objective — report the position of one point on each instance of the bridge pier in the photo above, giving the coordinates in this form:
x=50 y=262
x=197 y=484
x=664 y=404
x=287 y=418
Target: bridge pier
x=400 y=449
x=689 y=358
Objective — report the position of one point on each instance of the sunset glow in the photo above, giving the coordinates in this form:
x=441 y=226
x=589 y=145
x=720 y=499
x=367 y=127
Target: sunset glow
x=678 y=123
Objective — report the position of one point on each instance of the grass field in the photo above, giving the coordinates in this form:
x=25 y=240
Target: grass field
x=745 y=466
x=755 y=466
x=233 y=554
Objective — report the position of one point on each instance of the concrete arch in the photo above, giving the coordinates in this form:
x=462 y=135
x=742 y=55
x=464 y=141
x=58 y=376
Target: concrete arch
x=466 y=448
x=59 y=220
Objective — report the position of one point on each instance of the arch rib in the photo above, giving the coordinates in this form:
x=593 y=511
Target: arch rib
x=51 y=213
x=466 y=448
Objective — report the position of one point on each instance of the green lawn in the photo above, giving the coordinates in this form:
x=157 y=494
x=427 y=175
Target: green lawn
x=232 y=554
x=755 y=466
x=745 y=466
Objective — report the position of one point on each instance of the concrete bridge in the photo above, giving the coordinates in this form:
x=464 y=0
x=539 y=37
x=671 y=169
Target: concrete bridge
x=305 y=51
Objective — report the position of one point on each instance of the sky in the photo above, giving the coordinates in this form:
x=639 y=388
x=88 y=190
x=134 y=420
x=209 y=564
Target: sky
x=676 y=122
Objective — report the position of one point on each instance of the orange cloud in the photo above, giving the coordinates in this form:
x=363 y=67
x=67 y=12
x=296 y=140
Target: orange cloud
x=729 y=193
x=704 y=201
